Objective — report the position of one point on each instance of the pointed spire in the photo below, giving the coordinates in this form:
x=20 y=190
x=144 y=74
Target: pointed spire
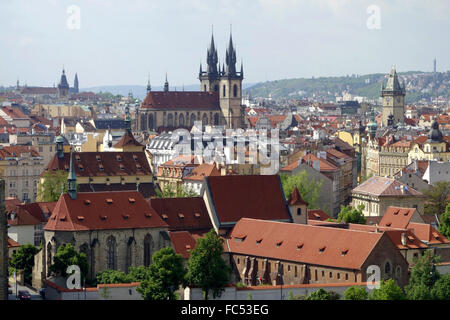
x=149 y=86
x=242 y=68
x=127 y=119
x=166 y=85
x=72 y=179
x=231 y=57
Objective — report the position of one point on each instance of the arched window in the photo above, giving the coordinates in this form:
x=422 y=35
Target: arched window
x=387 y=268
x=398 y=272
x=143 y=122
x=95 y=255
x=150 y=122
x=170 y=120
x=216 y=119
x=181 y=120
x=224 y=90
x=192 y=119
x=235 y=90
x=111 y=253
x=148 y=249
x=299 y=211
x=205 y=119
x=131 y=253
x=216 y=88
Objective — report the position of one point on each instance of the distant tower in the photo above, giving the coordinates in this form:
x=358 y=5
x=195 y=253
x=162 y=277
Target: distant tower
x=434 y=65
x=372 y=125
x=63 y=86
x=72 y=179
x=209 y=79
x=393 y=99
x=166 y=85
x=76 y=88
x=149 y=87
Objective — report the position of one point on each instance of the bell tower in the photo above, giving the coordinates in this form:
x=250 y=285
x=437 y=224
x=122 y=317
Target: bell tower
x=393 y=96
x=209 y=79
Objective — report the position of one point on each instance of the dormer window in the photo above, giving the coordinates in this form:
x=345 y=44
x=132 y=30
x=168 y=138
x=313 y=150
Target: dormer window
x=344 y=252
x=322 y=249
x=279 y=243
x=299 y=246
x=109 y=201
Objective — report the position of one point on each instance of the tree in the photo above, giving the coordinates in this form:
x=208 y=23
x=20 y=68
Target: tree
x=441 y=289
x=423 y=277
x=67 y=256
x=23 y=259
x=356 y=293
x=111 y=276
x=444 y=226
x=181 y=191
x=388 y=291
x=322 y=294
x=206 y=268
x=309 y=189
x=436 y=201
x=352 y=215
x=54 y=183
x=164 y=276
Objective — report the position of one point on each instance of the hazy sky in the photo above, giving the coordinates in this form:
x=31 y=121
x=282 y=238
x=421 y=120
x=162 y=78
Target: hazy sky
x=120 y=41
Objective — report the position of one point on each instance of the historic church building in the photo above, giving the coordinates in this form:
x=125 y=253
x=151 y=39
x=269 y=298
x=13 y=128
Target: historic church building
x=219 y=101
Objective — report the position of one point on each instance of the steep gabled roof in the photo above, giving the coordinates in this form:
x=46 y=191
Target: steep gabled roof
x=183 y=242
x=427 y=233
x=325 y=246
x=296 y=198
x=252 y=196
x=201 y=171
x=181 y=100
x=128 y=140
x=380 y=186
x=397 y=217
x=102 y=211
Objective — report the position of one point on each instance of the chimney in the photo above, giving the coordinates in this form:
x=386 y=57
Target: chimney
x=404 y=238
x=402 y=188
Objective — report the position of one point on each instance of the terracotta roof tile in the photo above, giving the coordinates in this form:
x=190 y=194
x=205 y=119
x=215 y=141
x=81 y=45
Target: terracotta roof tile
x=183 y=242
x=381 y=186
x=398 y=217
x=318 y=215
x=426 y=232
x=181 y=100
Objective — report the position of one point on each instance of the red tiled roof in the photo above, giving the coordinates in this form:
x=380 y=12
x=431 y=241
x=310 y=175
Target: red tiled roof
x=181 y=100
x=296 y=198
x=194 y=213
x=21 y=216
x=103 y=210
x=381 y=186
x=12 y=243
x=426 y=232
x=93 y=164
x=317 y=214
x=39 y=90
x=128 y=140
x=201 y=171
x=14 y=113
x=182 y=242
x=16 y=151
x=325 y=165
x=251 y=196
x=397 y=217
x=316 y=245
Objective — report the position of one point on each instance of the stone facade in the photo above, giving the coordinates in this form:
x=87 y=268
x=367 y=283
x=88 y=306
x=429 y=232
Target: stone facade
x=377 y=206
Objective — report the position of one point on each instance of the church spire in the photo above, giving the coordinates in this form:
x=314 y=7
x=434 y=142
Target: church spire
x=166 y=85
x=212 y=58
x=149 y=86
x=72 y=179
x=231 y=57
x=76 y=84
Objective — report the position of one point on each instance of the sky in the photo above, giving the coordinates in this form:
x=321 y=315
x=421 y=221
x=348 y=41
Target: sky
x=118 y=42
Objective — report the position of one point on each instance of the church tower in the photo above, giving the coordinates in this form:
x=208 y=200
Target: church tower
x=209 y=79
x=75 y=84
x=63 y=86
x=393 y=96
x=231 y=89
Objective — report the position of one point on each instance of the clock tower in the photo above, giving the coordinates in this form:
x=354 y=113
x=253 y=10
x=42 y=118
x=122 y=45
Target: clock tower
x=393 y=95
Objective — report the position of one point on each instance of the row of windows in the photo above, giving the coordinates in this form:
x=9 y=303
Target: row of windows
x=224 y=90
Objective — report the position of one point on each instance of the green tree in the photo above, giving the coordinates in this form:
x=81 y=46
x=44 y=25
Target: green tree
x=423 y=277
x=54 y=183
x=436 y=201
x=388 y=291
x=111 y=276
x=322 y=294
x=352 y=215
x=67 y=256
x=165 y=275
x=23 y=259
x=356 y=293
x=206 y=268
x=309 y=189
x=181 y=191
x=137 y=274
x=444 y=226
x=441 y=289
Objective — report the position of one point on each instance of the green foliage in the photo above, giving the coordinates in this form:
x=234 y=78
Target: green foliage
x=181 y=192
x=250 y=296
x=67 y=256
x=423 y=277
x=309 y=189
x=356 y=293
x=436 y=201
x=352 y=215
x=388 y=291
x=111 y=276
x=444 y=226
x=206 y=268
x=165 y=275
x=322 y=294
x=54 y=184
x=23 y=259
x=441 y=289
x=291 y=296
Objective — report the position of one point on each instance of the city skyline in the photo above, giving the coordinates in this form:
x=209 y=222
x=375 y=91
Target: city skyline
x=121 y=43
